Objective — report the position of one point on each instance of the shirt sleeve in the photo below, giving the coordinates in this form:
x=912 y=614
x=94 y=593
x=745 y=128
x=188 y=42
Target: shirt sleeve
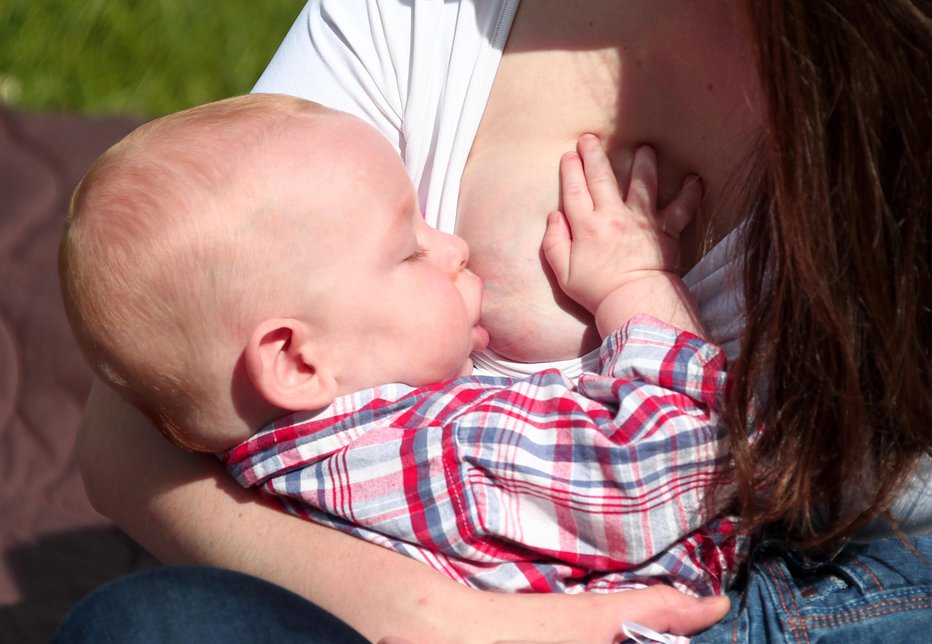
x=420 y=71
x=350 y=55
x=525 y=474
x=605 y=480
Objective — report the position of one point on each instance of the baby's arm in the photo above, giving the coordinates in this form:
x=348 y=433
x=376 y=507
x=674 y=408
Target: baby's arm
x=616 y=255
x=185 y=509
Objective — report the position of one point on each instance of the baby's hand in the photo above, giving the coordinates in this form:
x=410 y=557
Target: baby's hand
x=604 y=246
x=603 y=240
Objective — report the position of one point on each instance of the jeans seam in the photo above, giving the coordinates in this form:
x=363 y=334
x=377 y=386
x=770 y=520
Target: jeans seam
x=780 y=584
x=860 y=614
x=870 y=573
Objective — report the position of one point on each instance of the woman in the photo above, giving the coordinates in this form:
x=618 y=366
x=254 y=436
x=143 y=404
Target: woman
x=839 y=308
x=482 y=144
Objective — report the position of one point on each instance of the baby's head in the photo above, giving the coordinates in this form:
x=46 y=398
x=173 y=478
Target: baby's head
x=258 y=255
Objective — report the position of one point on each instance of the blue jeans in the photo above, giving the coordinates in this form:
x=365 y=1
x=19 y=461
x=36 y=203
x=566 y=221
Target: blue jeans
x=879 y=592
x=188 y=605
x=876 y=592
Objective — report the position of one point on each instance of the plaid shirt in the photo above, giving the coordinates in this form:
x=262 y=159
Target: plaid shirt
x=524 y=485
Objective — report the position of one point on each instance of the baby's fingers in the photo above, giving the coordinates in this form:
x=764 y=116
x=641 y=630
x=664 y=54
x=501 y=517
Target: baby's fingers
x=642 y=190
x=603 y=187
x=556 y=246
x=576 y=198
x=681 y=210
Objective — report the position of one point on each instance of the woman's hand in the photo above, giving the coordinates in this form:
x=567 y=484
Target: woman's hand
x=484 y=618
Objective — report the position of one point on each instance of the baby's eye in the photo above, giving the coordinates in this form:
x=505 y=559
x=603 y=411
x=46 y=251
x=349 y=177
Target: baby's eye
x=416 y=255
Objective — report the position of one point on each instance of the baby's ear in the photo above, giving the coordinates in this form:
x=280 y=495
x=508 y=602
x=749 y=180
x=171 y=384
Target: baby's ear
x=285 y=366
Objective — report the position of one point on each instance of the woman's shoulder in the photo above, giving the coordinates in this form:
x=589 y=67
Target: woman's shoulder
x=912 y=509
x=385 y=61
x=343 y=54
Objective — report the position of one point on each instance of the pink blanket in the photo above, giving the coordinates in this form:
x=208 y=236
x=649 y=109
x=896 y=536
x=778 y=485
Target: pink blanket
x=56 y=549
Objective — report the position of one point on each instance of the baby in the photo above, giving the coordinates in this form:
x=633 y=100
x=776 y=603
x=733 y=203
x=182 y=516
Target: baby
x=256 y=276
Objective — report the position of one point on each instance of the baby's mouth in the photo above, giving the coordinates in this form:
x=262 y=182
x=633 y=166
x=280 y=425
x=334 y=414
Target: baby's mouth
x=482 y=338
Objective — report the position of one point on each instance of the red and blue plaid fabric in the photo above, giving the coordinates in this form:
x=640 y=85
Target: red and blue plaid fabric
x=525 y=485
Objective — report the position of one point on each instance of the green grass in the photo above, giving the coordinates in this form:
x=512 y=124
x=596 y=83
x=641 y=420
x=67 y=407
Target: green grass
x=139 y=57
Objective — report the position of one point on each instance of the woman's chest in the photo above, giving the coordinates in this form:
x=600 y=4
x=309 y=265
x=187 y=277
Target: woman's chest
x=617 y=69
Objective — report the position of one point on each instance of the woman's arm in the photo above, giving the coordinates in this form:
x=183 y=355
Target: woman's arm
x=185 y=509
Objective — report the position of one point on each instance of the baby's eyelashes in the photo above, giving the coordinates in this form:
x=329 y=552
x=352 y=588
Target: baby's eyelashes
x=420 y=253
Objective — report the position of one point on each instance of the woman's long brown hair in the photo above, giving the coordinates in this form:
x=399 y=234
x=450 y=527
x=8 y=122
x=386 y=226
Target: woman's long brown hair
x=837 y=273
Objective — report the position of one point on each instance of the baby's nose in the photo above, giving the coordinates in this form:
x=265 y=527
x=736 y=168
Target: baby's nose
x=461 y=251
x=457 y=251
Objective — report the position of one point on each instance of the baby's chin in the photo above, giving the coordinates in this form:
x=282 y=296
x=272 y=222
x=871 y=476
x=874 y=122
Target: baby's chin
x=467 y=368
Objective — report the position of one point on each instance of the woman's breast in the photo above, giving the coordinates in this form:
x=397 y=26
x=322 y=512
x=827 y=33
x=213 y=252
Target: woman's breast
x=629 y=86
x=540 y=103
x=502 y=211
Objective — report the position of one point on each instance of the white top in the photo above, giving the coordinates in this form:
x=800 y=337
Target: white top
x=421 y=71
